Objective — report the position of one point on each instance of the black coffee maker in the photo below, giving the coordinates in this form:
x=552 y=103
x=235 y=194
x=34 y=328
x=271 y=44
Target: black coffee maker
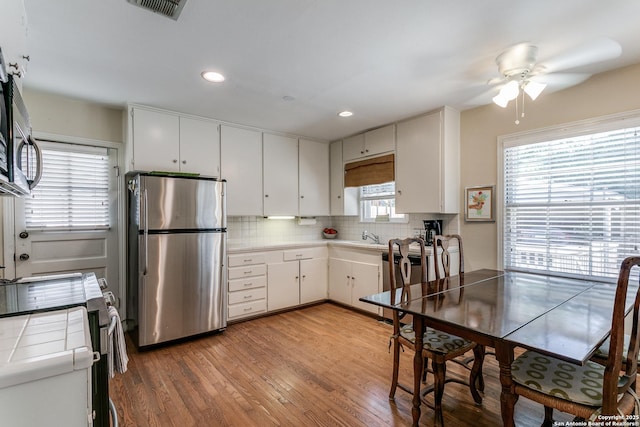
x=432 y=227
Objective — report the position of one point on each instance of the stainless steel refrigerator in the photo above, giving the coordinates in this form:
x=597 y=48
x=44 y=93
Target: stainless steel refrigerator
x=176 y=256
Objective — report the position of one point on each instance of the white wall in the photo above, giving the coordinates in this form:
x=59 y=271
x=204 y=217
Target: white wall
x=59 y=115
x=603 y=94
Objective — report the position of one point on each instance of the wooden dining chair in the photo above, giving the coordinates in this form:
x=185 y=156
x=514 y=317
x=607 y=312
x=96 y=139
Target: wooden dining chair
x=591 y=390
x=439 y=346
x=444 y=247
x=442 y=255
x=602 y=353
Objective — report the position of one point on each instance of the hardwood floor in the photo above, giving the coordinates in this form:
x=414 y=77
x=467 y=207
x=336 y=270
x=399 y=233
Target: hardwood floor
x=323 y=365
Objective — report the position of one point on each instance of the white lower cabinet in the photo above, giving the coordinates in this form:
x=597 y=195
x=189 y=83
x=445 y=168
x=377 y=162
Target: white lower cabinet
x=272 y=280
x=296 y=277
x=247 y=285
x=350 y=280
x=283 y=285
x=313 y=280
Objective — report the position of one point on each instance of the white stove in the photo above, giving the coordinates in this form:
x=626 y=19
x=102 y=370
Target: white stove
x=45 y=369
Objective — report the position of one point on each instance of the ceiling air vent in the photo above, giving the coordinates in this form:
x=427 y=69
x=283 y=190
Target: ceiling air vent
x=168 y=8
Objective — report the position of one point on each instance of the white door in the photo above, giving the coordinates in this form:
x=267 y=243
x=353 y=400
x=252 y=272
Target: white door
x=364 y=277
x=313 y=280
x=340 y=280
x=199 y=146
x=69 y=223
x=283 y=285
x=313 y=169
x=241 y=153
x=280 y=169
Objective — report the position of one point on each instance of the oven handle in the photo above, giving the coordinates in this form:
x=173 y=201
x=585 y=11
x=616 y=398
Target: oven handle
x=112 y=325
x=114 y=413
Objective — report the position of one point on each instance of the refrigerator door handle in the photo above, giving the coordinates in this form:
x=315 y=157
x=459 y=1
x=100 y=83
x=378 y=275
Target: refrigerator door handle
x=146 y=233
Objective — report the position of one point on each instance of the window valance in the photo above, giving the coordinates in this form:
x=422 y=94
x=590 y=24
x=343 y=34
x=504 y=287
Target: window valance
x=377 y=170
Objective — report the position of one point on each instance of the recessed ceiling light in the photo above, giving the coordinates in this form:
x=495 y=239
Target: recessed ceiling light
x=345 y=114
x=212 y=76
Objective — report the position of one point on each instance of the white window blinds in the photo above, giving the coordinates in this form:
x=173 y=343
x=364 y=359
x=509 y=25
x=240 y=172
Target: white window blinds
x=74 y=190
x=572 y=205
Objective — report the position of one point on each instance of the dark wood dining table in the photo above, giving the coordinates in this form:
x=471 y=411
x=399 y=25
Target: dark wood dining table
x=561 y=317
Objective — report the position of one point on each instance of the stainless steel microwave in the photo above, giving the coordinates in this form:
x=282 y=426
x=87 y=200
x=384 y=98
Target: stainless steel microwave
x=20 y=155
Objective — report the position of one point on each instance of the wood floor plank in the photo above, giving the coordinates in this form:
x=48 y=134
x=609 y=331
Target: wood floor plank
x=323 y=365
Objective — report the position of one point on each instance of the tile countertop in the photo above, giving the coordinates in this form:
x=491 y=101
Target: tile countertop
x=239 y=246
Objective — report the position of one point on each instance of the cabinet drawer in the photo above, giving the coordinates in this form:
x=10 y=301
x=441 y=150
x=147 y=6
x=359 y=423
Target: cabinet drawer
x=247 y=283
x=247 y=309
x=303 y=253
x=245 y=259
x=248 y=271
x=247 y=296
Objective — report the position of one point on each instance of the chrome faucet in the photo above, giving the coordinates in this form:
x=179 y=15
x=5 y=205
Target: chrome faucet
x=374 y=237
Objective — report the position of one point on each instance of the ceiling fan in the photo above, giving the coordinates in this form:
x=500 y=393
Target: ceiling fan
x=521 y=73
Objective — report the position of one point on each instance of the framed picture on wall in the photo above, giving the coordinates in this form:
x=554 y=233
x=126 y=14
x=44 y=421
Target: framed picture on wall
x=479 y=203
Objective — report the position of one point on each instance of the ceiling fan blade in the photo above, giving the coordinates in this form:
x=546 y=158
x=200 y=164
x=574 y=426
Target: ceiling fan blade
x=562 y=80
x=483 y=98
x=587 y=53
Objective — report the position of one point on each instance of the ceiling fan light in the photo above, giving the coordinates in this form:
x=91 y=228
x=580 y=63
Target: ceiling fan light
x=500 y=100
x=534 y=89
x=510 y=90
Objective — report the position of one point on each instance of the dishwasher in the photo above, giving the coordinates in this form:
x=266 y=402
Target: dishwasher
x=414 y=259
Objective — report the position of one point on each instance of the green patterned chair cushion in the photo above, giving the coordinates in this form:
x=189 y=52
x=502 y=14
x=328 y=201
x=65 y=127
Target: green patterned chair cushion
x=580 y=384
x=434 y=340
x=603 y=350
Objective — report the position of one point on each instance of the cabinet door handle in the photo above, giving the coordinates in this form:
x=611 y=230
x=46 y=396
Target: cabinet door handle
x=175 y=160
x=184 y=162
x=302 y=197
x=266 y=195
x=248 y=296
x=399 y=192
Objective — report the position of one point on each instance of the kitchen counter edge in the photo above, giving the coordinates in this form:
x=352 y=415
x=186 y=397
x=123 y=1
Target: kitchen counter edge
x=241 y=247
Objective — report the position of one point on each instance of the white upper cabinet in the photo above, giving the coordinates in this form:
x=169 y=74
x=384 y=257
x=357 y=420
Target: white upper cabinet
x=241 y=166
x=165 y=141
x=280 y=174
x=353 y=147
x=314 y=178
x=344 y=201
x=156 y=138
x=13 y=38
x=428 y=163
x=199 y=146
x=371 y=143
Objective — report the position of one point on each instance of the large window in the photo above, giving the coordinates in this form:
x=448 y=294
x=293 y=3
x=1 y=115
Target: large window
x=378 y=203
x=74 y=190
x=571 y=204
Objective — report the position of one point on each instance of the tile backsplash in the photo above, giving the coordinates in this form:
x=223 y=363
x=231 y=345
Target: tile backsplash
x=258 y=229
